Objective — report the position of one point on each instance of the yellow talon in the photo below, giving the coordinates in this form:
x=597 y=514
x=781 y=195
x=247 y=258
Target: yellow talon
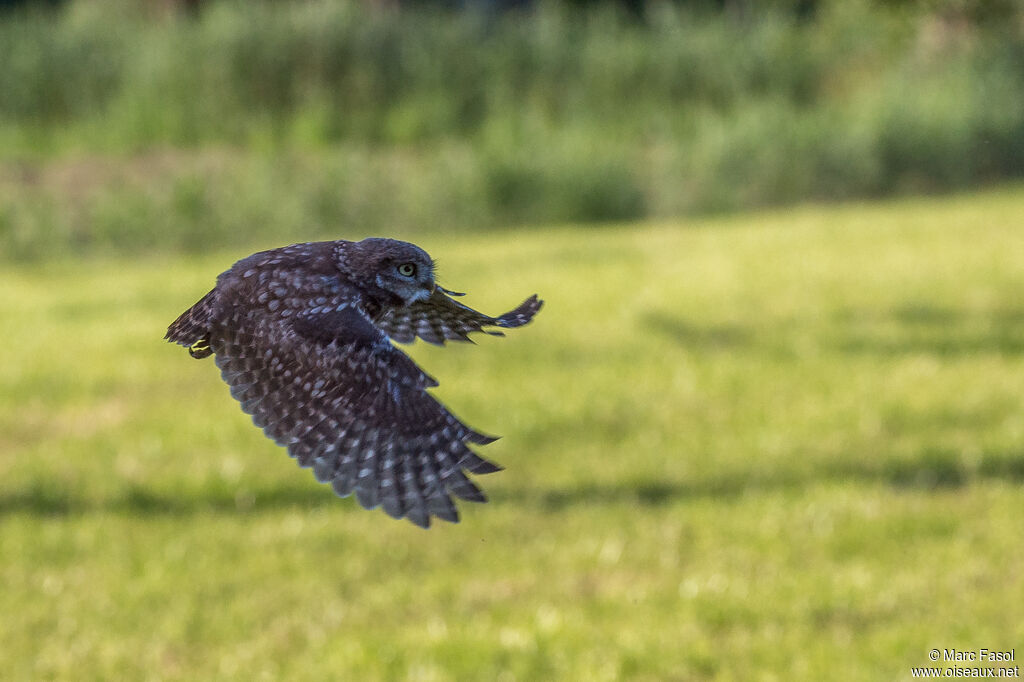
x=200 y=349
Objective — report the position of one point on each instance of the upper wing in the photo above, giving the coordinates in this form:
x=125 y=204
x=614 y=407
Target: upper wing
x=344 y=400
x=439 y=318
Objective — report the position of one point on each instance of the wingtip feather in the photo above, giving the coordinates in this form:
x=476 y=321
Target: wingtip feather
x=522 y=314
x=443 y=508
x=419 y=517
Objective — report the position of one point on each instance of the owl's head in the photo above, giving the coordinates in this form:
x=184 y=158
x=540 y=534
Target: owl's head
x=400 y=269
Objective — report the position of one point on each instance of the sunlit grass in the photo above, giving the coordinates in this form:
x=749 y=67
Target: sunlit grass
x=776 y=446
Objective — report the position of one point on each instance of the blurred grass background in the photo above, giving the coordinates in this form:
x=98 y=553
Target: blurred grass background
x=767 y=426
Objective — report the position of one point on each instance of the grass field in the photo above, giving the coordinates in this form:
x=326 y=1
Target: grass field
x=783 y=446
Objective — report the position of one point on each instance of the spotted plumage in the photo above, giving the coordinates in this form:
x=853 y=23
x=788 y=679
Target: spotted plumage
x=303 y=337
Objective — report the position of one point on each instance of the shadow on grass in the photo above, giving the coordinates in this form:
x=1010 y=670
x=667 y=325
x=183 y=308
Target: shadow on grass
x=910 y=328
x=915 y=328
x=932 y=470
x=693 y=335
x=46 y=500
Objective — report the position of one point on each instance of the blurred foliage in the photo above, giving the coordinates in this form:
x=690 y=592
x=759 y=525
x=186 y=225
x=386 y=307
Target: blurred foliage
x=301 y=119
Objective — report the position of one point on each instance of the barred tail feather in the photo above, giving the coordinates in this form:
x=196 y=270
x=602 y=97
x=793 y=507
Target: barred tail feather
x=193 y=326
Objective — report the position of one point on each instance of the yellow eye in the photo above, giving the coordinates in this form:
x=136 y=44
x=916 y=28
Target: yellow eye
x=407 y=269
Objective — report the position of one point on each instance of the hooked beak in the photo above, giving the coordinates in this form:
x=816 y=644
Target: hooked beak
x=425 y=291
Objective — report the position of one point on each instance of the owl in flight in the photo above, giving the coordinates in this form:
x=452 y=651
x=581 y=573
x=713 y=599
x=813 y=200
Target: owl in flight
x=302 y=335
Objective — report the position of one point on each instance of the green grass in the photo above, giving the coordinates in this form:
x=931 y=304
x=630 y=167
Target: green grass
x=775 y=446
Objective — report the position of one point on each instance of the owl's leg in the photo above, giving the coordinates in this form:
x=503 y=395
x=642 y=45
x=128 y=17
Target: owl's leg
x=201 y=348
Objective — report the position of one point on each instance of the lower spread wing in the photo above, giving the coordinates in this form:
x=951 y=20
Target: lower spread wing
x=438 y=318
x=333 y=390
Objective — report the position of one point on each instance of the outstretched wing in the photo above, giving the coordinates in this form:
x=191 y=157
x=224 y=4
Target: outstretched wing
x=332 y=389
x=438 y=318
